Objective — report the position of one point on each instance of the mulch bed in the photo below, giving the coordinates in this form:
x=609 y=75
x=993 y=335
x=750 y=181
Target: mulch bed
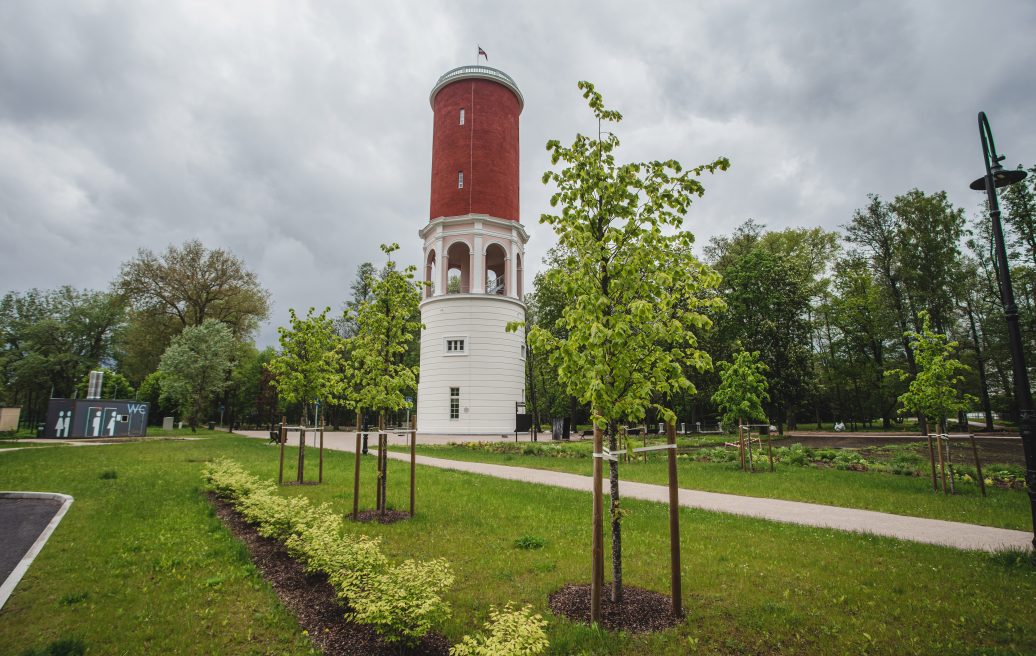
x=312 y=600
x=641 y=611
x=389 y=517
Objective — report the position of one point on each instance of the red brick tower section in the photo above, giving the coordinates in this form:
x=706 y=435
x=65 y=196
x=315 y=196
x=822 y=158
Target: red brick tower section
x=475 y=144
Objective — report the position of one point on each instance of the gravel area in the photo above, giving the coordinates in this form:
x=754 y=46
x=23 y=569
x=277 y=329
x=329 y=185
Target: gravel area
x=388 y=517
x=641 y=611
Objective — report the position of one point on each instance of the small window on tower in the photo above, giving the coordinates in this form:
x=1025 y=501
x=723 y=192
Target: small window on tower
x=461 y=116
x=454 y=403
x=455 y=346
x=460 y=179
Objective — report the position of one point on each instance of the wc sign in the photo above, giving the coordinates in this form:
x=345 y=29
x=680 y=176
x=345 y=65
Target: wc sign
x=77 y=418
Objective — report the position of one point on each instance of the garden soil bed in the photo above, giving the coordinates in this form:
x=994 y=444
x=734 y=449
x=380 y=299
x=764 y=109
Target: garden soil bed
x=388 y=517
x=311 y=599
x=641 y=611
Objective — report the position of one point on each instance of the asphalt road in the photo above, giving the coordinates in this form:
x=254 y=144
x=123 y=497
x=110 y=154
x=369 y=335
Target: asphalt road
x=21 y=522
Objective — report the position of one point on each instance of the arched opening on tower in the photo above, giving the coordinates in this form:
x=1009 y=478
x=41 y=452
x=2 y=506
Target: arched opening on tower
x=496 y=261
x=521 y=277
x=429 y=275
x=458 y=268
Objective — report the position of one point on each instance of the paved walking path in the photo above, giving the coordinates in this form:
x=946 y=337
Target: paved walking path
x=916 y=529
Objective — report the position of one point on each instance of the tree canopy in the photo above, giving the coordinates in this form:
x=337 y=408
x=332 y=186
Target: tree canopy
x=742 y=390
x=377 y=373
x=935 y=390
x=195 y=367
x=191 y=284
x=307 y=368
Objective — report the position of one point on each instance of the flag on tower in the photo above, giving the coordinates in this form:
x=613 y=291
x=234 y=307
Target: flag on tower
x=482 y=53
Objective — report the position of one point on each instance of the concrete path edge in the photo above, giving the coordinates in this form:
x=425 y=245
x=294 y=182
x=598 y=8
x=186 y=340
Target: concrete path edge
x=23 y=565
x=957 y=535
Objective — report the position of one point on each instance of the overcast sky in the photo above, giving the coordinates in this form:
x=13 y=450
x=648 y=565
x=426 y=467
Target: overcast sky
x=298 y=134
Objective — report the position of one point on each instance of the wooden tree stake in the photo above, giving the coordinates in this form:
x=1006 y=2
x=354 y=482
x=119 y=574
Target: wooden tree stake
x=931 y=457
x=674 y=525
x=356 y=470
x=282 y=440
x=302 y=454
x=597 y=548
x=413 y=466
x=978 y=465
x=942 y=463
x=320 y=479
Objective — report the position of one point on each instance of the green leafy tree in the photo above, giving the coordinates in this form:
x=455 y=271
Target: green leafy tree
x=246 y=402
x=181 y=287
x=934 y=391
x=1020 y=215
x=742 y=388
x=637 y=295
x=50 y=340
x=195 y=367
x=377 y=373
x=768 y=305
x=928 y=236
x=307 y=368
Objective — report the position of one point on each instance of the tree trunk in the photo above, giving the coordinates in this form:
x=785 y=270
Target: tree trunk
x=382 y=464
x=613 y=480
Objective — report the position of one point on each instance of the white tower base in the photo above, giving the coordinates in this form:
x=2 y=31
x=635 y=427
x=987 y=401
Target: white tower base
x=472 y=369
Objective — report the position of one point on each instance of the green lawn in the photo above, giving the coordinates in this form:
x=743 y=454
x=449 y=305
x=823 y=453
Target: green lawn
x=904 y=495
x=140 y=565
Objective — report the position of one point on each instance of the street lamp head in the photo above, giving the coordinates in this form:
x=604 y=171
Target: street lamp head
x=1001 y=178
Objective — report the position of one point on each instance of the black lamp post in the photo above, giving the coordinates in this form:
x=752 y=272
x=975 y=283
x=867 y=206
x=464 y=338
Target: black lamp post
x=994 y=178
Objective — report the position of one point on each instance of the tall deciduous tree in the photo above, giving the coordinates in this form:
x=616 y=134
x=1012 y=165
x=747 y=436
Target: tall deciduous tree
x=377 y=374
x=928 y=234
x=195 y=367
x=1020 y=216
x=191 y=284
x=637 y=295
x=307 y=369
x=768 y=305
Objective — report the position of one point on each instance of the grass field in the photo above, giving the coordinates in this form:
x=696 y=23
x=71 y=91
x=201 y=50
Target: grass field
x=140 y=565
x=904 y=495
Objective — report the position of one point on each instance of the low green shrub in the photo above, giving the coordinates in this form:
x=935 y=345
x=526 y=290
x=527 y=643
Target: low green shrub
x=508 y=632
x=541 y=449
x=401 y=602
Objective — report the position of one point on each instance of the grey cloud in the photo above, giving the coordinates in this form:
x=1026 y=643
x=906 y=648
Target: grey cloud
x=299 y=135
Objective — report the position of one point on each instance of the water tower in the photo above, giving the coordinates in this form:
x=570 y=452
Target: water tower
x=472 y=369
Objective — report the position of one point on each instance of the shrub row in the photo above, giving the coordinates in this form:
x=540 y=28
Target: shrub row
x=401 y=602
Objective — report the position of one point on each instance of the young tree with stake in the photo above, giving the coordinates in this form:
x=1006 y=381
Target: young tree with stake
x=934 y=390
x=933 y=393
x=307 y=368
x=385 y=323
x=637 y=294
x=742 y=390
